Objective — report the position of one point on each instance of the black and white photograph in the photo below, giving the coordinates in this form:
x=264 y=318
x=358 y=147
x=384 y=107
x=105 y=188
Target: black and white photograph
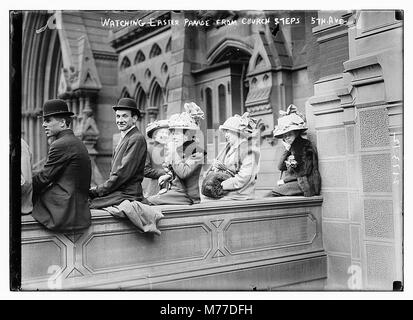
x=207 y=150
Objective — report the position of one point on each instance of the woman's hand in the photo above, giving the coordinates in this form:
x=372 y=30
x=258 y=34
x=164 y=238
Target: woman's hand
x=280 y=182
x=217 y=164
x=286 y=145
x=164 y=178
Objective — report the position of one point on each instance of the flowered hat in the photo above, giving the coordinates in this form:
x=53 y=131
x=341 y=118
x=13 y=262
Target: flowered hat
x=189 y=119
x=290 y=120
x=244 y=124
x=158 y=124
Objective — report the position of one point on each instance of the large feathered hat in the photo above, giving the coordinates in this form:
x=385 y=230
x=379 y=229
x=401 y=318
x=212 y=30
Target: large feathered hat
x=189 y=119
x=244 y=124
x=290 y=120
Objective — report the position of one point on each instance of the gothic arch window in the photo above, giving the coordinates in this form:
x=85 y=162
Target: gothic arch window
x=222 y=100
x=141 y=99
x=142 y=105
x=157 y=95
x=259 y=62
x=209 y=108
x=125 y=93
x=168 y=45
x=140 y=57
x=125 y=63
x=156 y=102
x=155 y=51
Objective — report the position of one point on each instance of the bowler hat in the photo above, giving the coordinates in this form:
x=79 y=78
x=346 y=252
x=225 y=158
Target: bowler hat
x=56 y=107
x=127 y=104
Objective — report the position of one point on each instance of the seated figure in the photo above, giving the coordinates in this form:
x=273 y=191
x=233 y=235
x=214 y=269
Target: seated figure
x=299 y=162
x=155 y=157
x=184 y=160
x=233 y=174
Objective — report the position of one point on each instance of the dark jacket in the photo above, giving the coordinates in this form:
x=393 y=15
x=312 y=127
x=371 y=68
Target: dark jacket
x=126 y=173
x=187 y=169
x=62 y=186
x=306 y=172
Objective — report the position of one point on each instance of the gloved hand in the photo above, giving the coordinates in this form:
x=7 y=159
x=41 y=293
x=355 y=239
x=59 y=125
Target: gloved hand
x=280 y=182
x=164 y=178
x=286 y=145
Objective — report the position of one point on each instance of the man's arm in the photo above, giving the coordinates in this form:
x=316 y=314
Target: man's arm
x=135 y=153
x=55 y=164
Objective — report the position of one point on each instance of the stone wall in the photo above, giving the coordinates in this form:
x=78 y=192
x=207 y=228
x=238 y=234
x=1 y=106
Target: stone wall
x=357 y=119
x=265 y=244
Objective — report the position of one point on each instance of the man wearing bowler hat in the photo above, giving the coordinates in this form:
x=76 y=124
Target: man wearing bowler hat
x=61 y=187
x=128 y=162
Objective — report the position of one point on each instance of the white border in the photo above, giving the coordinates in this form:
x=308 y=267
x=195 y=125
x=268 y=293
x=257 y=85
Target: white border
x=5 y=292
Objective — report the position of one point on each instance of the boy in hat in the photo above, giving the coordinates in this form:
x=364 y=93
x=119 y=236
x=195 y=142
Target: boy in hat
x=128 y=162
x=61 y=187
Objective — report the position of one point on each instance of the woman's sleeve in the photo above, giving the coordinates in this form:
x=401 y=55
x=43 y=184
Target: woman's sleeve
x=281 y=164
x=149 y=171
x=185 y=168
x=307 y=161
x=244 y=174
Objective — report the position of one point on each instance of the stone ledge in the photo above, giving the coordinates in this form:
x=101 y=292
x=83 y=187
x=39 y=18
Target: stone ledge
x=223 y=245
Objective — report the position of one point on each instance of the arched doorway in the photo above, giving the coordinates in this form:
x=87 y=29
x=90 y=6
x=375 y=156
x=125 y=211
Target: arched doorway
x=156 y=103
x=141 y=101
x=222 y=90
x=41 y=69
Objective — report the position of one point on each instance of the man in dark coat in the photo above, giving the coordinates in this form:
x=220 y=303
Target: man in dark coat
x=128 y=162
x=61 y=187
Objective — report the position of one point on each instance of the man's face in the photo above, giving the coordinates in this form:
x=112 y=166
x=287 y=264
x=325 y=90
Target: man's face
x=52 y=126
x=124 y=119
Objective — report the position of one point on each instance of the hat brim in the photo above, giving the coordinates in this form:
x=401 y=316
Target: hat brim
x=243 y=133
x=69 y=114
x=150 y=132
x=279 y=134
x=184 y=128
x=116 y=108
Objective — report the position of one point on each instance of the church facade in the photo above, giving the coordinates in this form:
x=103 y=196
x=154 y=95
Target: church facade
x=342 y=69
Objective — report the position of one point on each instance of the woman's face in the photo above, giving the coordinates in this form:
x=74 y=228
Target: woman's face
x=289 y=137
x=179 y=137
x=161 y=135
x=231 y=137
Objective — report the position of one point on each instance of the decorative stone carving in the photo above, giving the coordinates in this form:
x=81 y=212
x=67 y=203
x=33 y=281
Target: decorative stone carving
x=88 y=131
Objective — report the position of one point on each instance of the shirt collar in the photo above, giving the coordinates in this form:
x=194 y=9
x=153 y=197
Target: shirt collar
x=124 y=133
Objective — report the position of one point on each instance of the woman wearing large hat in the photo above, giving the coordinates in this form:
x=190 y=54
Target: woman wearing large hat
x=234 y=172
x=158 y=132
x=299 y=162
x=184 y=159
